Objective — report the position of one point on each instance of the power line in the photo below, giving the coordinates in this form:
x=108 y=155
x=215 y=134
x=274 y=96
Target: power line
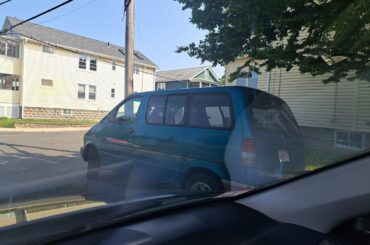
x=71 y=12
x=123 y=11
x=127 y=3
x=5 y=2
x=36 y=16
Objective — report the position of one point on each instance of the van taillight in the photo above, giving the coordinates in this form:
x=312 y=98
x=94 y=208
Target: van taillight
x=248 y=152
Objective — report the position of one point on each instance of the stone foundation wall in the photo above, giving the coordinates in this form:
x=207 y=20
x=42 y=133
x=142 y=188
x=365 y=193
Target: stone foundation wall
x=57 y=113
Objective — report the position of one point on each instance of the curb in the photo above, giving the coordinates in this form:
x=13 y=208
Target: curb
x=44 y=129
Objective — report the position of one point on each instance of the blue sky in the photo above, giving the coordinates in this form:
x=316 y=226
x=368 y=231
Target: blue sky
x=161 y=25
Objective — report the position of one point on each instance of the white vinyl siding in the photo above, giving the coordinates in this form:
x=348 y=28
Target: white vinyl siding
x=342 y=106
x=363 y=106
x=232 y=67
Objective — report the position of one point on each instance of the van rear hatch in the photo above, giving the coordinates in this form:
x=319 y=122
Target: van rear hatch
x=277 y=141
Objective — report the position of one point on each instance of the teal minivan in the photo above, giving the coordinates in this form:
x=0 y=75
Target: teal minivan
x=199 y=139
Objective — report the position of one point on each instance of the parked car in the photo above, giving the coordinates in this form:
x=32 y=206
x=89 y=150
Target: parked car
x=199 y=139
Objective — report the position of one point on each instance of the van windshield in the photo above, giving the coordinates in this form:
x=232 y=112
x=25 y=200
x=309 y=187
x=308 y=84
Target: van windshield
x=272 y=115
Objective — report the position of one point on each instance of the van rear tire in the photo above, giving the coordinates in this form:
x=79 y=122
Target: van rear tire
x=203 y=182
x=93 y=164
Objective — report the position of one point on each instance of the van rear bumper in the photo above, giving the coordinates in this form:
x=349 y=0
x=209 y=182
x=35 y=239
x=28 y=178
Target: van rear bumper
x=242 y=177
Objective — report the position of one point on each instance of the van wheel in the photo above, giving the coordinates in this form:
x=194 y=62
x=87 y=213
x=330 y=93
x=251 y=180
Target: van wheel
x=203 y=182
x=93 y=164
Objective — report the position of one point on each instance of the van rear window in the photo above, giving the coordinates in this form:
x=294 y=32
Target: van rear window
x=272 y=114
x=211 y=110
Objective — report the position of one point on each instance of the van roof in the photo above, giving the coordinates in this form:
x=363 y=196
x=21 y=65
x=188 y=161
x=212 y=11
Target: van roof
x=197 y=90
x=207 y=89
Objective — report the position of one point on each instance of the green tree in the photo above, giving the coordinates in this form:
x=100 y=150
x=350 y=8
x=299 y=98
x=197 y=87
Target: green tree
x=318 y=36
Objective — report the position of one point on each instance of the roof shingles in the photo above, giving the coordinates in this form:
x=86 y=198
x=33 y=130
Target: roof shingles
x=179 y=74
x=66 y=39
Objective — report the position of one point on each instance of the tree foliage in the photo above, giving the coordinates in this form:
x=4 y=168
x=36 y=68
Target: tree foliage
x=318 y=36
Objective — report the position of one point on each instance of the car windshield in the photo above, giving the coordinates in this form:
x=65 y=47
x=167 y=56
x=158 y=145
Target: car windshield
x=174 y=98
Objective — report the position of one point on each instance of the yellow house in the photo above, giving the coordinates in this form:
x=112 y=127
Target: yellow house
x=48 y=73
x=341 y=110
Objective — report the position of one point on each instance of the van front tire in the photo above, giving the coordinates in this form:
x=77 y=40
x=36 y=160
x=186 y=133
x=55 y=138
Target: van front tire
x=93 y=164
x=203 y=182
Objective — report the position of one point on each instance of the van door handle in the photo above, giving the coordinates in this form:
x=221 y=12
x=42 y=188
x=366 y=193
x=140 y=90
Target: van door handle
x=131 y=131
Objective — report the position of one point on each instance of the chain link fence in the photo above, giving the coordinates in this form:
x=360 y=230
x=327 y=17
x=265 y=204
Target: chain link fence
x=322 y=149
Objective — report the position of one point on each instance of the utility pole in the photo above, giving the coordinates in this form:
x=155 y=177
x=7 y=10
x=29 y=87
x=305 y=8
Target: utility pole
x=129 y=46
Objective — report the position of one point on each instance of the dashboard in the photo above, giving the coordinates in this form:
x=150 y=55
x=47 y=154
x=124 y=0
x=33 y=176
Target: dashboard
x=224 y=222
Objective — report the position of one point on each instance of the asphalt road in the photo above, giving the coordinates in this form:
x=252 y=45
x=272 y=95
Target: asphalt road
x=33 y=163
x=39 y=165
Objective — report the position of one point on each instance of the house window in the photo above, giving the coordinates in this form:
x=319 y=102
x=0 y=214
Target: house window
x=114 y=65
x=241 y=81
x=81 y=91
x=47 y=82
x=12 y=50
x=2 y=48
x=93 y=63
x=194 y=84
x=354 y=140
x=113 y=93
x=15 y=85
x=161 y=86
x=251 y=81
x=82 y=62
x=136 y=69
x=9 y=49
x=92 y=92
x=47 y=49
x=67 y=112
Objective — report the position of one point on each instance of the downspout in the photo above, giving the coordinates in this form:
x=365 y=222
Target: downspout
x=22 y=89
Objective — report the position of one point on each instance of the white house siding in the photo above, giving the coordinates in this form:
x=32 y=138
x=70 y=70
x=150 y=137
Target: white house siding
x=232 y=67
x=62 y=68
x=311 y=101
x=9 y=96
x=10 y=65
x=363 y=106
x=343 y=106
x=9 y=103
x=144 y=81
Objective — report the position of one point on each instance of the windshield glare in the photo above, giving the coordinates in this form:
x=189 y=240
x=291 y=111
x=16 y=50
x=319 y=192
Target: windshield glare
x=205 y=99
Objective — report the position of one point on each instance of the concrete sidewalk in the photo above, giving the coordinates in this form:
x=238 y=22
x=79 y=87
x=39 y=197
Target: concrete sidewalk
x=65 y=129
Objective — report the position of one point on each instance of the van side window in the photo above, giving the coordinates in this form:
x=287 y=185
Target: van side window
x=128 y=110
x=175 y=110
x=155 y=111
x=273 y=115
x=211 y=110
